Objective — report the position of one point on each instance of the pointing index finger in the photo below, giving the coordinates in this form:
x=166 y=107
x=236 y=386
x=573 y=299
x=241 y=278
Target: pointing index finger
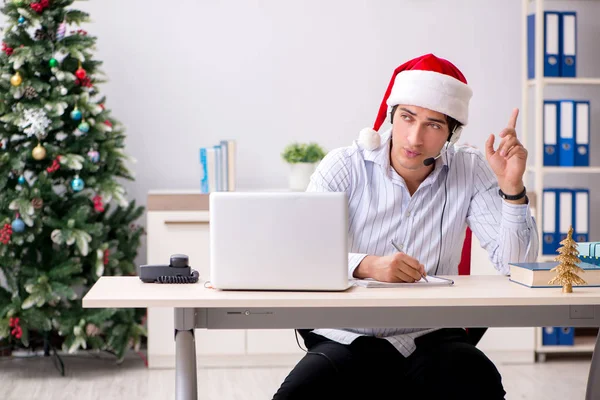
x=512 y=122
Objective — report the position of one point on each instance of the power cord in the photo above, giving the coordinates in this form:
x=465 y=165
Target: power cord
x=442 y=220
x=316 y=352
x=443 y=209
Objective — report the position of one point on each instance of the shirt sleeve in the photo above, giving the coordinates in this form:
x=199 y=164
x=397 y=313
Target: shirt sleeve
x=507 y=231
x=334 y=174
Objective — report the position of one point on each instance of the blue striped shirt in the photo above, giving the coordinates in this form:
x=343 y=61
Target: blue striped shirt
x=381 y=208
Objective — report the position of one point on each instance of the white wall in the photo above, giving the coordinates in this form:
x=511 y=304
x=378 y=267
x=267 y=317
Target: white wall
x=269 y=72
x=186 y=74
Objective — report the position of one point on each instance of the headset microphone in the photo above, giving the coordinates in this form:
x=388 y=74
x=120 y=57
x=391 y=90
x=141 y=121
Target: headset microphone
x=431 y=160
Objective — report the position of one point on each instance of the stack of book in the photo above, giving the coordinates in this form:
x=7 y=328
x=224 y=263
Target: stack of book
x=218 y=167
x=538 y=274
x=589 y=252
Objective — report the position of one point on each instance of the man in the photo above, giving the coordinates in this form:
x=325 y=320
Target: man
x=412 y=185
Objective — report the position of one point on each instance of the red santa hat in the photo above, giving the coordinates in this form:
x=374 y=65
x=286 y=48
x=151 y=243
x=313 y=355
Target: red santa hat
x=428 y=82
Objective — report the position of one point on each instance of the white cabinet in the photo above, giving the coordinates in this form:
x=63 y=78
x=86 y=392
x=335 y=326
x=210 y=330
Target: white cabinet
x=273 y=341
x=172 y=230
x=514 y=345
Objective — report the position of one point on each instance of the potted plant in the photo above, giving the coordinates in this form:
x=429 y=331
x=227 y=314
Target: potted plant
x=302 y=158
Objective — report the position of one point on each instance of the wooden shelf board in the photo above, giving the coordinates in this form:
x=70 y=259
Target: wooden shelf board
x=565 y=170
x=564 y=81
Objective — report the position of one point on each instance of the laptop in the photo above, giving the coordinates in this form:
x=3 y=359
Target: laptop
x=279 y=241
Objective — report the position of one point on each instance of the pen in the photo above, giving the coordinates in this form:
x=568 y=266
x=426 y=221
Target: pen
x=394 y=244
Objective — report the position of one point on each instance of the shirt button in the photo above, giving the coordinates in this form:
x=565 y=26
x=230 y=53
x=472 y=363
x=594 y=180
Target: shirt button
x=401 y=246
x=408 y=214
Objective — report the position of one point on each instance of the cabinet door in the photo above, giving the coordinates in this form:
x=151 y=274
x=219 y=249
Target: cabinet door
x=186 y=232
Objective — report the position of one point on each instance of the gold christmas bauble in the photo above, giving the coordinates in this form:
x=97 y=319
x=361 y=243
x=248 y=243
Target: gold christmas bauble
x=16 y=79
x=39 y=152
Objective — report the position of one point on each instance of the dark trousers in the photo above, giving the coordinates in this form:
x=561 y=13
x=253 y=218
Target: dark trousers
x=444 y=366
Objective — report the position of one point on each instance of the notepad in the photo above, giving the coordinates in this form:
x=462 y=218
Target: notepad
x=433 y=281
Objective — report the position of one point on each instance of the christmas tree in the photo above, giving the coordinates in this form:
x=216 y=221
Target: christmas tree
x=64 y=217
x=567 y=268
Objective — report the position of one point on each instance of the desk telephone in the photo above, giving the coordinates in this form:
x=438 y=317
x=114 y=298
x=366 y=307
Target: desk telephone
x=178 y=271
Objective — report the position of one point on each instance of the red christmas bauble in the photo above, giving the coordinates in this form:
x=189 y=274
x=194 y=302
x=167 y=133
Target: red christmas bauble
x=80 y=73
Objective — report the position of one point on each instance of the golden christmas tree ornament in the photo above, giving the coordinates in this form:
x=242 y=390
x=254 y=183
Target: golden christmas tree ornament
x=16 y=79
x=39 y=152
x=567 y=269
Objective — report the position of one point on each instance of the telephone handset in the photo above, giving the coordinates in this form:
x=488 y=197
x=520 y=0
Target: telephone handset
x=178 y=271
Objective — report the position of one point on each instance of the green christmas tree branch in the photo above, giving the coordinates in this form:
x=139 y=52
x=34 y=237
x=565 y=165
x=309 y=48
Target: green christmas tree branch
x=70 y=233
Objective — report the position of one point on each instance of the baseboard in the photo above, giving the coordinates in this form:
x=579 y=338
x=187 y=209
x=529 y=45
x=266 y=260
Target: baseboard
x=289 y=360
x=511 y=357
x=229 y=361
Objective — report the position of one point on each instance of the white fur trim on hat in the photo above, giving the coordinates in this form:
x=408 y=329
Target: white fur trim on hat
x=432 y=90
x=369 y=139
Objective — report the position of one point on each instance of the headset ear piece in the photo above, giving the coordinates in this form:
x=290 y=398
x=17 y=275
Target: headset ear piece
x=455 y=135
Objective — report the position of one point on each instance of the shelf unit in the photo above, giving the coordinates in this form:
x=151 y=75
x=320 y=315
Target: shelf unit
x=565 y=81
x=565 y=170
x=583 y=344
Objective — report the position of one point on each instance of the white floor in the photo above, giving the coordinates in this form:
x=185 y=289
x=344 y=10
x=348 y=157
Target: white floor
x=91 y=377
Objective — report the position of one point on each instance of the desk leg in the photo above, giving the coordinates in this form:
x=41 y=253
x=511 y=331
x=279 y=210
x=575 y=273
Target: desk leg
x=593 y=385
x=186 y=379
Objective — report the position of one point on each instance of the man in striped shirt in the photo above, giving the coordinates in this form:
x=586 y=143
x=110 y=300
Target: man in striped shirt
x=411 y=184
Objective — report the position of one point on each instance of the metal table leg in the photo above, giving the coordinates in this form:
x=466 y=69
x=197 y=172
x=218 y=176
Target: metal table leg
x=593 y=384
x=186 y=381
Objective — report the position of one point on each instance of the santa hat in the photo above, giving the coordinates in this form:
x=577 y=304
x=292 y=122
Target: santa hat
x=428 y=82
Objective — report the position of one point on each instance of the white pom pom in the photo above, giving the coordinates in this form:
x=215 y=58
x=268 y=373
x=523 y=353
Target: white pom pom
x=369 y=139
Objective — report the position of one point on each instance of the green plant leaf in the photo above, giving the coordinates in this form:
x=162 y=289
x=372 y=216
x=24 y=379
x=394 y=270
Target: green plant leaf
x=303 y=153
x=25 y=336
x=32 y=300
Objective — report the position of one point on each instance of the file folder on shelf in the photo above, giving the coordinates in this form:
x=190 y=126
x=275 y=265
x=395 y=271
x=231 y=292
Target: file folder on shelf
x=549 y=336
x=568 y=34
x=566 y=139
x=565 y=214
x=550 y=221
x=559 y=44
x=552 y=42
x=551 y=126
x=582 y=133
x=581 y=214
x=566 y=336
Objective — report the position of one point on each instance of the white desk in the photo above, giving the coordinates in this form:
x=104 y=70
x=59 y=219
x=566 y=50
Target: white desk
x=474 y=301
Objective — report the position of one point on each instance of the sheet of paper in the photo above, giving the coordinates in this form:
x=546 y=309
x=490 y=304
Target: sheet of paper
x=433 y=281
